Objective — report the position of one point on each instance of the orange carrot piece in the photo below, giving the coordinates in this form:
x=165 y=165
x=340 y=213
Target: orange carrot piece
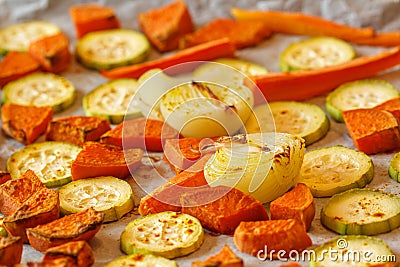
x=141 y=133
x=164 y=26
x=202 y=52
x=52 y=52
x=225 y=258
x=303 y=84
x=297 y=204
x=392 y=105
x=221 y=209
x=77 y=129
x=380 y=39
x=276 y=235
x=15 y=65
x=97 y=159
x=25 y=123
x=167 y=197
x=241 y=33
x=301 y=24
x=92 y=17
x=372 y=130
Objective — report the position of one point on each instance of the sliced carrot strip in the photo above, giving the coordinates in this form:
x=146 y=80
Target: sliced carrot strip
x=203 y=52
x=303 y=84
x=301 y=24
x=380 y=39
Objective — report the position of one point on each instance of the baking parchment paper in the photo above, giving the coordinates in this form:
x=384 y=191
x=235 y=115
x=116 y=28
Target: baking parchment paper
x=383 y=15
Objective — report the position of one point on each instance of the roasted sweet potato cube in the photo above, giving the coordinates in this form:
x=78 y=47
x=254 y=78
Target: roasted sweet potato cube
x=77 y=129
x=221 y=209
x=78 y=251
x=14 y=193
x=61 y=262
x=10 y=250
x=4 y=177
x=225 y=258
x=25 y=123
x=297 y=204
x=75 y=227
x=41 y=207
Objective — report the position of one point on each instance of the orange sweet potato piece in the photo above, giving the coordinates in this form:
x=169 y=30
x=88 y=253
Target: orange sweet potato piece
x=77 y=129
x=391 y=105
x=372 y=135
x=10 y=250
x=15 y=65
x=61 y=262
x=141 y=133
x=225 y=258
x=92 y=17
x=292 y=264
x=80 y=253
x=221 y=209
x=75 y=227
x=241 y=33
x=15 y=192
x=167 y=197
x=297 y=204
x=41 y=207
x=25 y=123
x=165 y=25
x=52 y=52
x=287 y=235
x=96 y=159
x=4 y=177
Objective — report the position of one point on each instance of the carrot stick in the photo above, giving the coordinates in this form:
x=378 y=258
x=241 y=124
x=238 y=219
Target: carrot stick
x=302 y=24
x=303 y=84
x=207 y=51
x=380 y=39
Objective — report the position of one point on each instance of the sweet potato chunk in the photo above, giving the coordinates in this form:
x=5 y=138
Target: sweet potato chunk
x=25 y=123
x=286 y=235
x=79 y=252
x=241 y=33
x=92 y=17
x=61 y=262
x=225 y=258
x=41 y=207
x=164 y=26
x=296 y=204
x=10 y=250
x=79 y=226
x=372 y=135
x=97 y=159
x=77 y=129
x=221 y=209
x=392 y=105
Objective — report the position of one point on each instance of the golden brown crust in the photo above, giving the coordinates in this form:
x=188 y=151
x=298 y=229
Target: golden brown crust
x=79 y=251
x=10 y=250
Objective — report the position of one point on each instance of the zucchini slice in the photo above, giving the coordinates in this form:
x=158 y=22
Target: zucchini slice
x=112 y=101
x=361 y=212
x=41 y=89
x=167 y=234
x=109 y=49
x=394 y=167
x=246 y=67
x=315 y=53
x=331 y=170
x=305 y=120
x=110 y=195
x=142 y=260
x=51 y=162
x=19 y=36
x=352 y=250
x=365 y=93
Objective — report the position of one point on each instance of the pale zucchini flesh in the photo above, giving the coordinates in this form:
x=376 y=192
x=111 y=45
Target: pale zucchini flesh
x=19 y=36
x=41 y=89
x=167 y=234
x=315 y=53
x=352 y=250
x=113 y=101
x=331 y=170
x=394 y=167
x=109 y=49
x=361 y=212
x=365 y=93
x=248 y=68
x=107 y=194
x=51 y=161
x=142 y=260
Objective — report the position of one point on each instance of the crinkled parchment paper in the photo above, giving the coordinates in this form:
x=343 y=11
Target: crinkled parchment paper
x=380 y=14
